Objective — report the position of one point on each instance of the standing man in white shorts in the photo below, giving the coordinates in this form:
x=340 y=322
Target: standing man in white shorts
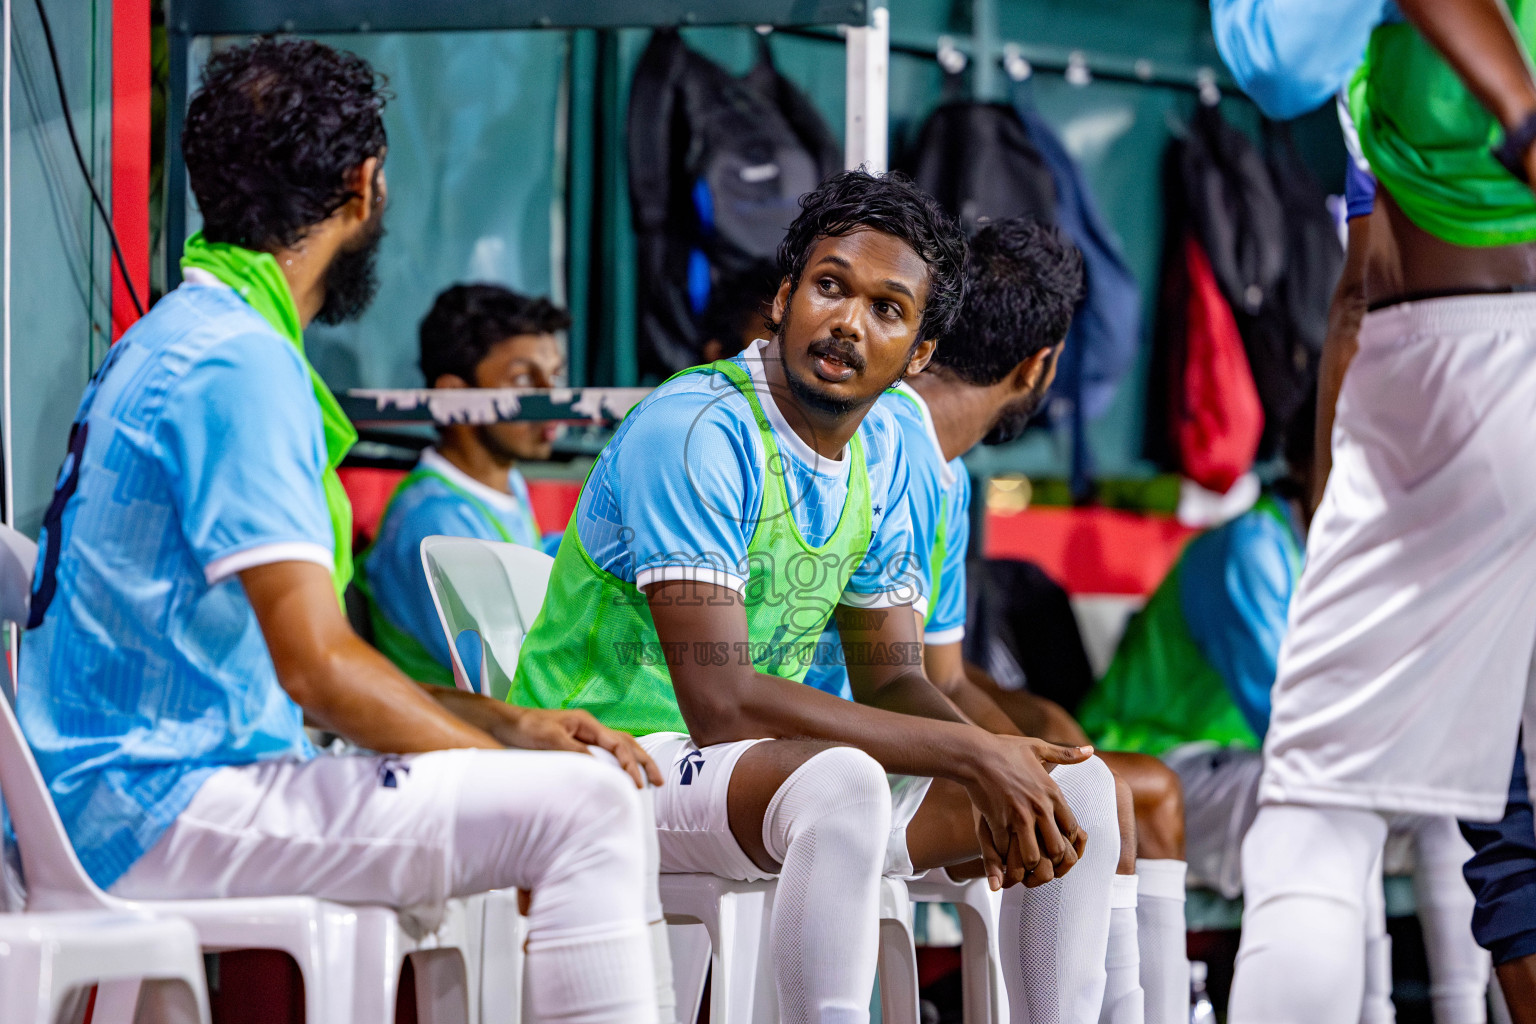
x=736 y=510
x=1403 y=678
x=186 y=616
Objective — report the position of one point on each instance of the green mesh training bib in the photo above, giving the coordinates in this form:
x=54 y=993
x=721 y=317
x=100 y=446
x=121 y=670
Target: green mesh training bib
x=1161 y=690
x=594 y=645
x=407 y=653
x=1427 y=137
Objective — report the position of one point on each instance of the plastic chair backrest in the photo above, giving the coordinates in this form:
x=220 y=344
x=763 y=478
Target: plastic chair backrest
x=490 y=588
x=55 y=879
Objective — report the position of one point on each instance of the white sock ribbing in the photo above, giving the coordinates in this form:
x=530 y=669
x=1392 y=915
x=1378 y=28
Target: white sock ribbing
x=828 y=825
x=1164 y=940
x=656 y=924
x=1458 y=967
x=1053 y=937
x=589 y=975
x=1124 y=1002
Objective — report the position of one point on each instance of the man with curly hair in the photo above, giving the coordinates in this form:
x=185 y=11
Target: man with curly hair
x=739 y=508
x=186 y=616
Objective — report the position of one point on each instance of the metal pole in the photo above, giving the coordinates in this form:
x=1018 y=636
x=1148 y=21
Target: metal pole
x=7 y=442
x=869 y=63
x=179 y=45
x=9 y=451
x=983 y=49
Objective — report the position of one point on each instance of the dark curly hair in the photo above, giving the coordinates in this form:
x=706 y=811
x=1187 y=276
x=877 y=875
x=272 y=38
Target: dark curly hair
x=468 y=320
x=1023 y=280
x=271 y=135
x=892 y=204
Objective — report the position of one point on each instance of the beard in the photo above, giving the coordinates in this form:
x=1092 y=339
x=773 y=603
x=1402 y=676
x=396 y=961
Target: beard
x=807 y=393
x=1015 y=418
x=352 y=279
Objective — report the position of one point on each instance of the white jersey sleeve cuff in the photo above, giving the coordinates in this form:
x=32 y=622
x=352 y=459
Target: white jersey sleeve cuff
x=940 y=637
x=222 y=568
x=696 y=573
x=898 y=598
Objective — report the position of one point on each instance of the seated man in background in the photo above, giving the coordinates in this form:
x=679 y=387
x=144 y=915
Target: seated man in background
x=1191 y=683
x=736 y=510
x=738 y=306
x=985 y=381
x=186 y=616
x=467 y=485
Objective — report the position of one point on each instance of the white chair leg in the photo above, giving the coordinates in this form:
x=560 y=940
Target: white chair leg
x=117 y=1002
x=691 y=949
x=503 y=930
x=978 y=968
x=898 y=955
x=377 y=962
x=740 y=991
x=23 y=990
x=167 y=1002
x=442 y=984
x=982 y=985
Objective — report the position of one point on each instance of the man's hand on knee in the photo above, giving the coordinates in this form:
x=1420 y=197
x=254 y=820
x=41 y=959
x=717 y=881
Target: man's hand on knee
x=1027 y=833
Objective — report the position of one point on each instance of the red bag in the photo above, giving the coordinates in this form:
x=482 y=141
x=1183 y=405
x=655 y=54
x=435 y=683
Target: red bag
x=1219 y=418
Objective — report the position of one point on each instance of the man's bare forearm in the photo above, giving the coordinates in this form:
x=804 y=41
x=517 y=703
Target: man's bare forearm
x=343 y=685
x=938 y=745
x=1479 y=41
x=982 y=709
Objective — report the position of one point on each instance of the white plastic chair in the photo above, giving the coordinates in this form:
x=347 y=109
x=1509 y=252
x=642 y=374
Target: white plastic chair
x=719 y=927
x=349 y=956
x=490 y=588
x=984 y=999
x=50 y=961
x=47 y=959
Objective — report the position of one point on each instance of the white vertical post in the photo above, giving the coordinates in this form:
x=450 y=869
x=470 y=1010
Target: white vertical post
x=869 y=64
x=7 y=442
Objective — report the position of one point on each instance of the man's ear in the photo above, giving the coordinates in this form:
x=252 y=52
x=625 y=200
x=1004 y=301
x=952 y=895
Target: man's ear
x=920 y=356
x=451 y=380
x=781 y=302
x=366 y=183
x=1027 y=374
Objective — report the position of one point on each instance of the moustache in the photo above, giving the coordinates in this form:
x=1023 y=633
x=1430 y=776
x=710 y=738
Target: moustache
x=843 y=352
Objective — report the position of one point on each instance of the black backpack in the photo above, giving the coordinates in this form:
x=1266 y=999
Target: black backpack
x=1285 y=340
x=717 y=166
x=978 y=161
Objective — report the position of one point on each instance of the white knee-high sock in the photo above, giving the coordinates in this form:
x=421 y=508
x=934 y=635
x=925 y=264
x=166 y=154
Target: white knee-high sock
x=589 y=956
x=1458 y=967
x=828 y=825
x=1124 y=1002
x=1376 y=1007
x=1163 y=935
x=1053 y=937
x=1302 y=956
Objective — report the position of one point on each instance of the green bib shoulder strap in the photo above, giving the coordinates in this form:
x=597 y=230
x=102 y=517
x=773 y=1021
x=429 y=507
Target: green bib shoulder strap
x=256 y=278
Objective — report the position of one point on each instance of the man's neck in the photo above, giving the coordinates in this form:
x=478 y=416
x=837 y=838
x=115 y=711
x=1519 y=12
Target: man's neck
x=824 y=433
x=474 y=461
x=962 y=413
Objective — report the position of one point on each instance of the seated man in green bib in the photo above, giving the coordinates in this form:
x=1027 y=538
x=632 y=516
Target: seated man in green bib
x=468 y=484
x=739 y=508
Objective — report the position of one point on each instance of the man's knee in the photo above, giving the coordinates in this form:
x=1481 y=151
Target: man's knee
x=1322 y=853
x=593 y=812
x=1159 y=804
x=841 y=790
x=1089 y=789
